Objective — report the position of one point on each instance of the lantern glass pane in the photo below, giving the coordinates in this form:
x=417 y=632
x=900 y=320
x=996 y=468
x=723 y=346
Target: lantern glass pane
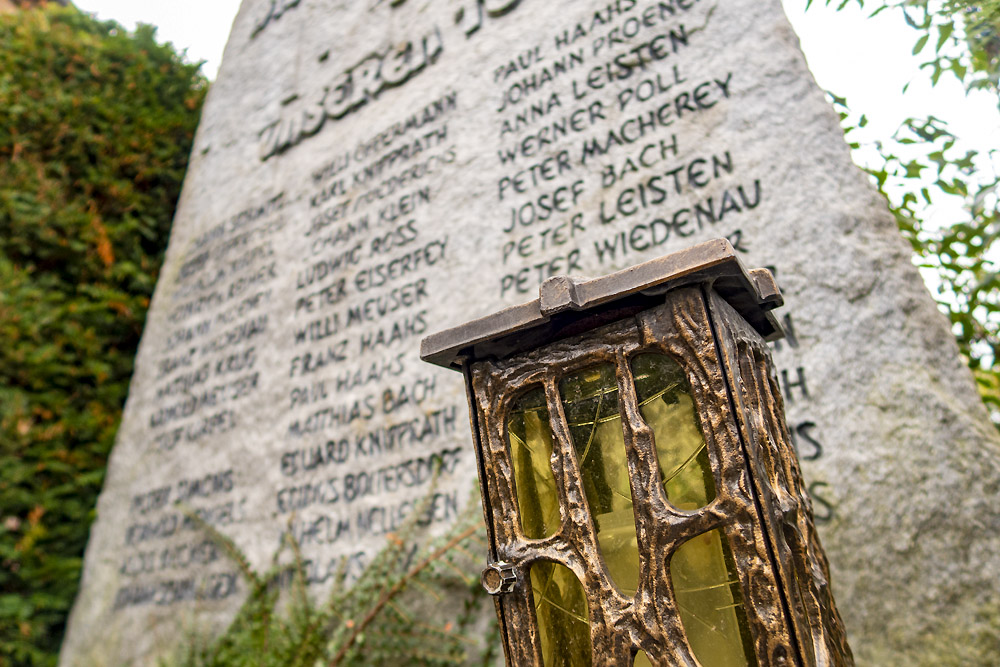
x=529 y=436
x=562 y=615
x=708 y=596
x=590 y=399
x=665 y=403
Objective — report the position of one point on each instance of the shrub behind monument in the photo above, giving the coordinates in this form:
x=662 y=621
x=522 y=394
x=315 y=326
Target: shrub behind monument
x=96 y=125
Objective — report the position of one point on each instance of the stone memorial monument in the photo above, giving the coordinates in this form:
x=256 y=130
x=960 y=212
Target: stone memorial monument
x=368 y=172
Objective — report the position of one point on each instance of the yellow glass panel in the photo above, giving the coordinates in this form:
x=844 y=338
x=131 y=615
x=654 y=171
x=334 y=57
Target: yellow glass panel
x=590 y=399
x=529 y=436
x=562 y=614
x=666 y=405
x=708 y=596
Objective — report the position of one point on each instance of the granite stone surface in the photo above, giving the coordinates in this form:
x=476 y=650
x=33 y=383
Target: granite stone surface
x=369 y=172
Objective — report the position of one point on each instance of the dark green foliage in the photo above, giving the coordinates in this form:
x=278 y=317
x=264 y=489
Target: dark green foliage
x=926 y=168
x=411 y=606
x=95 y=130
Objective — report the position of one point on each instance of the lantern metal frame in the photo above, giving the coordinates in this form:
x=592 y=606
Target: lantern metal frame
x=703 y=309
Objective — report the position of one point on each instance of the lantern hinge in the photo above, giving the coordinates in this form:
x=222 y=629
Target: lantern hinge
x=558 y=294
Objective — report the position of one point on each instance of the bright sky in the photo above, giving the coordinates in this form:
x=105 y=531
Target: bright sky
x=869 y=61
x=200 y=26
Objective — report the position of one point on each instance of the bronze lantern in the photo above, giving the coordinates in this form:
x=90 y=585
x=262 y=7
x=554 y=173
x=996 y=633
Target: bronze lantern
x=643 y=501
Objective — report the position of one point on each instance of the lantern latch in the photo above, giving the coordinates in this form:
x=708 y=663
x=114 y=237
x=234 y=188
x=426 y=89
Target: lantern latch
x=498 y=578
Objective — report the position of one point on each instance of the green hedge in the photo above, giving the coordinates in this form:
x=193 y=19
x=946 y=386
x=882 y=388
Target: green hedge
x=95 y=129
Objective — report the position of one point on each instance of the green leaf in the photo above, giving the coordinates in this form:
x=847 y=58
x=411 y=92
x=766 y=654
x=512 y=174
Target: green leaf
x=944 y=32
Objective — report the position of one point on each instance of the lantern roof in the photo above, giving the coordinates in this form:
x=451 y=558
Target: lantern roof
x=568 y=305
